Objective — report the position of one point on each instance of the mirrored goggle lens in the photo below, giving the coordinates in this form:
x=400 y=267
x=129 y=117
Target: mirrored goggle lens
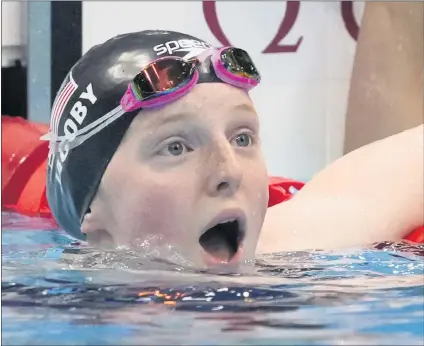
x=161 y=76
x=237 y=61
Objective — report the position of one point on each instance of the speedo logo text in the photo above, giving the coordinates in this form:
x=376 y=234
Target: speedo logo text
x=184 y=45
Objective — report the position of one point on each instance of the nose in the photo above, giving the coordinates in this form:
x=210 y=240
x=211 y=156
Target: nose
x=225 y=172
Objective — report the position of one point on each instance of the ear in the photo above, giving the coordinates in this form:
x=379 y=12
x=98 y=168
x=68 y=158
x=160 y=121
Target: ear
x=93 y=227
x=90 y=223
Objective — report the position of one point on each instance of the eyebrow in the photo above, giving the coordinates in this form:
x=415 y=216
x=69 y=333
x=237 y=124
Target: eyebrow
x=244 y=107
x=180 y=116
x=170 y=118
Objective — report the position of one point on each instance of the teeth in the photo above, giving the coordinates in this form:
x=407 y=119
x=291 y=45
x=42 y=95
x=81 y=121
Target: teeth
x=227 y=221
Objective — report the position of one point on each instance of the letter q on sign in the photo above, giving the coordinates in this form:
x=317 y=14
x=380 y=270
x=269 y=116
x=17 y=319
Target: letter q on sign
x=286 y=25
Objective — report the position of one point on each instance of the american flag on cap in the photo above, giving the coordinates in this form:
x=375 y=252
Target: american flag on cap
x=62 y=98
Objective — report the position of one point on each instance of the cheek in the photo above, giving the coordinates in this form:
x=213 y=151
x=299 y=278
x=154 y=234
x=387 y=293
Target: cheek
x=154 y=209
x=258 y=175
x=258 y=186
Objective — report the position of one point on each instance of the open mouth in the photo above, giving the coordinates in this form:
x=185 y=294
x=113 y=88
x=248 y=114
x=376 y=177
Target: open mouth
x=223 y=240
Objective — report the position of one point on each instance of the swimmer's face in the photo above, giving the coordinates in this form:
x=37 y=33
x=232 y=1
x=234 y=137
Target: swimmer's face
x=181 y=170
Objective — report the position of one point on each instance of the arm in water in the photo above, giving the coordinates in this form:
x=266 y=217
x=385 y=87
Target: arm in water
x=386 y=95
x=372 y=194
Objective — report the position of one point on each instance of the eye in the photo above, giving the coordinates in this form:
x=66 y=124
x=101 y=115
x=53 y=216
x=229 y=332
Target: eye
x=243 y=140
x=175 y=149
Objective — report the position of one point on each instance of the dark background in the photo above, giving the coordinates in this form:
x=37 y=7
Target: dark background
x=66 y=49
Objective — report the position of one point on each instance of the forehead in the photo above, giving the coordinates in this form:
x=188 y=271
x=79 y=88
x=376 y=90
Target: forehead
x=204 y=99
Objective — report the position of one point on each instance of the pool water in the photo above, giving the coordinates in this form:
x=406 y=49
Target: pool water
x=56 y=291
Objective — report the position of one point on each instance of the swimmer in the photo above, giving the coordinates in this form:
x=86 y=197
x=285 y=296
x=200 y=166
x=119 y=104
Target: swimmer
x=128 y=161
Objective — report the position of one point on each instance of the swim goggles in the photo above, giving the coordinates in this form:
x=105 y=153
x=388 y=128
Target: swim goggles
x=163 y=81
x=166 y=79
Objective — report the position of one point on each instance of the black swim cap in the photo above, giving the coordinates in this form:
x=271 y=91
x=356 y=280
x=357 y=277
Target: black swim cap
x=93 y=88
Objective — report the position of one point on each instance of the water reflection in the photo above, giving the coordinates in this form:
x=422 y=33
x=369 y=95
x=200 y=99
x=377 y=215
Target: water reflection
x=63 y=292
